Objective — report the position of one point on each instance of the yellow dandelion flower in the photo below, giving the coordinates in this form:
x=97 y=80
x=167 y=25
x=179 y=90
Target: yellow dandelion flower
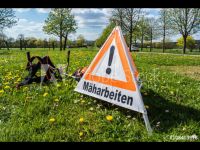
x=80 y=133
x=7 y=87
x=45 y=94
x=52 y=120
x=19 y=79
x=1 y=91
x=56 y=100
x=58 y=85
x=81 y=120
x=109 y=118
x=25 y=88
x=6 y=83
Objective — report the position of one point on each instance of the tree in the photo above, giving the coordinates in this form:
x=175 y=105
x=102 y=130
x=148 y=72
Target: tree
x=118 y=16
x=152 y=31
x=7 y=18
x=143 y=30
x=164 y=25
x=39 y=43
x=5 y=41
x=70 y=26
x=25 y=42
x=21 y=40
x=169 y=44
x=61 y=23
x=31 y=42
x=131 y=19
x=128 y=19
x=186 y=21
x=10 y=41
x=52 y=42
x=190 y=42
x=106 y=32
x=2 y=39
x=45 y=43
x=80 y=40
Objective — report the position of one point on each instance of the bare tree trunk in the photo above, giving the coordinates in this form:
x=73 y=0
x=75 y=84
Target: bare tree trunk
x=65 y=42
x=25 y=45
x=60 y=42
x=7 y=45
x=164 y=30
x=121 y=21
x=163 y=43
x=130 y=32
x=53 y=45
x=185 y=44
x=151 y=40
x=164 y=39
x=142 y=40
x=20 y=44
x=199 y=47
x=60 y=36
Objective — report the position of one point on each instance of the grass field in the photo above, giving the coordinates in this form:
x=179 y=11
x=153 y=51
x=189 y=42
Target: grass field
x=171 y=93
x=174 y=51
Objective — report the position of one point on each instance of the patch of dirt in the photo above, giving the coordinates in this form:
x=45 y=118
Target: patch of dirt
x=189 y=71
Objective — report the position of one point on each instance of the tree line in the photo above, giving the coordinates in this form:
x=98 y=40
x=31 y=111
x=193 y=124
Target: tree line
x=60 y=23
x=23 y=42
x=137 y=27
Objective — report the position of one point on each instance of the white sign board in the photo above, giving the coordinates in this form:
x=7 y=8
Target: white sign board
x=112 y=76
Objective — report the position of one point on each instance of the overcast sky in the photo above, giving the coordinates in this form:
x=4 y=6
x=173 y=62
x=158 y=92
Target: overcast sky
x=91 y=22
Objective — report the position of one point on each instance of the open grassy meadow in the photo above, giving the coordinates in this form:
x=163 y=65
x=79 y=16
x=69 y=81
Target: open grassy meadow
x=55 y=112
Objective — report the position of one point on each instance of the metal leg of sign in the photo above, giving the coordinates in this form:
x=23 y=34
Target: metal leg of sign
x=147 y=124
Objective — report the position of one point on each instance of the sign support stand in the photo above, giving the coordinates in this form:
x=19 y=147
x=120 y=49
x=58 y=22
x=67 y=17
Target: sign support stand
x=147 y=124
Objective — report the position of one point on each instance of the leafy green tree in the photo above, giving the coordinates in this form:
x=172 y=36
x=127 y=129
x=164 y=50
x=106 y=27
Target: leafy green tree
x=31 y=42
x=45 y=43
x=61 y=23
x=52 y=43
x=21 y=40
x=7 y=18
x=80 y=41
x=143 y=30
x=39 y=43
x=185 y=21
x=106 y=32
x=190 y=42
x=9 y=42
x=169 y=44
x=164 y=25
x=152 y=31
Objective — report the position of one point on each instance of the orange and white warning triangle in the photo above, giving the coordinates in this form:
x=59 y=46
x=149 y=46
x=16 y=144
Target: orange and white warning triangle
x=112 y=76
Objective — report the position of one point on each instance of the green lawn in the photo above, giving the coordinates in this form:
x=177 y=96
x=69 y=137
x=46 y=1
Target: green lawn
x=174 y=51
x=171 y=96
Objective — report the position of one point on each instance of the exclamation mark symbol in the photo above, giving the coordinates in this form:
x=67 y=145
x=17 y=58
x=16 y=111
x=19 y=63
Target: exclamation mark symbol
x=112 y=50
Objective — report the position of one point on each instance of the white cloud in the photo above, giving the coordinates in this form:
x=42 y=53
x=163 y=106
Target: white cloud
x=91 y=17
x=28 y=28
x=22 y=10
x=43 y=10
x=91 y=22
